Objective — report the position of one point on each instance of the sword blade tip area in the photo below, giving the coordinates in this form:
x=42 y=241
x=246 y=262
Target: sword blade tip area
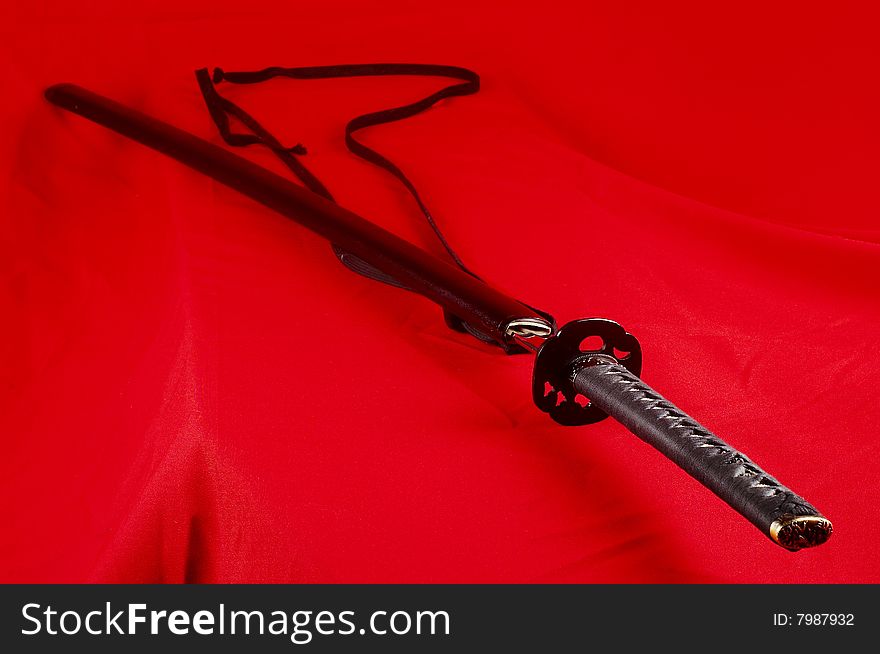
x=798 y=532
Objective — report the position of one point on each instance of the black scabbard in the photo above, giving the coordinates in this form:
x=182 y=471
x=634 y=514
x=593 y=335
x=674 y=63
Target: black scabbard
x=493 y=313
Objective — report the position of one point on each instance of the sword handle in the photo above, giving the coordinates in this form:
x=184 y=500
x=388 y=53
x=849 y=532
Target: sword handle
x=784 y=516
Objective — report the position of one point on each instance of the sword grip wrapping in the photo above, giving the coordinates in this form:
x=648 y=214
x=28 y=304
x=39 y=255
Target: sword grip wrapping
x=781 y=514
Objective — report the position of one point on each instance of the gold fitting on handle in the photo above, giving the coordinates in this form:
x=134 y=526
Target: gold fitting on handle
x=797 y=532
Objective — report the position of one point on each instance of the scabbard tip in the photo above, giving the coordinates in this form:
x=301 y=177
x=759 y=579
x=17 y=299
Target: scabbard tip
x=56 y=91
x=798 y=532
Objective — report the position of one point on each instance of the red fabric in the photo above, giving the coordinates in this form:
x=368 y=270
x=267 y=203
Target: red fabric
x=194 y=389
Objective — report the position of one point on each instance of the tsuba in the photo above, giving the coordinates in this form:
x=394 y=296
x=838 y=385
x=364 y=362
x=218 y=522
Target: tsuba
x=551 y=388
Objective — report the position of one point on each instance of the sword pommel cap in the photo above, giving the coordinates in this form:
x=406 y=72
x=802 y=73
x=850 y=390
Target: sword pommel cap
x=797 y=532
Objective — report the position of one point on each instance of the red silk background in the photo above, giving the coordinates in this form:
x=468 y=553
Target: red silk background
x=193 y=388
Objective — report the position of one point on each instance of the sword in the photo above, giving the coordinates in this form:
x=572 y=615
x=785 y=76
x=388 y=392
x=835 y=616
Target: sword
x=585 y=371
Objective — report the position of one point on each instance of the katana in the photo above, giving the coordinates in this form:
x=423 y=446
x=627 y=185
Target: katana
x=583 y=372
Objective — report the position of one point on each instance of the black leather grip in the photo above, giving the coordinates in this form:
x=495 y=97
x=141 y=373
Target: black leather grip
x=783 y=515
